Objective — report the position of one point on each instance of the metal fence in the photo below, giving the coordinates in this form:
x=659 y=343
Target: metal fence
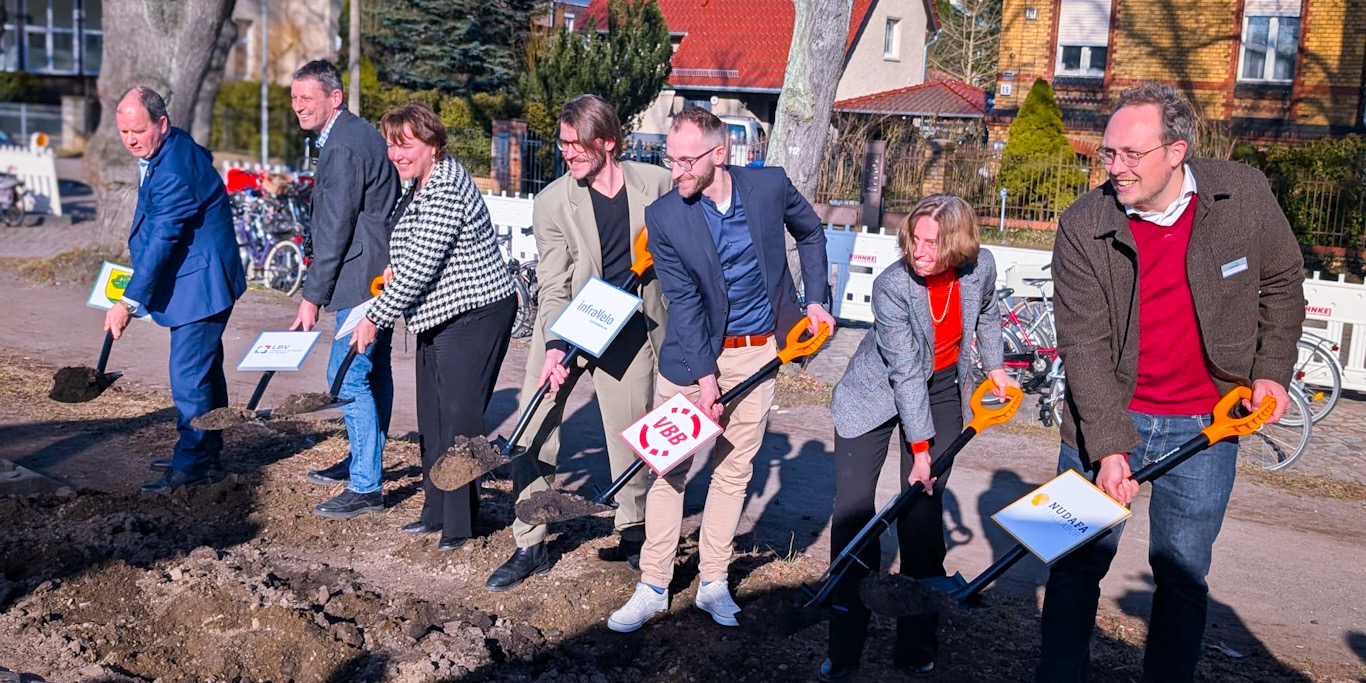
x=19 y=120
x=1326 y=213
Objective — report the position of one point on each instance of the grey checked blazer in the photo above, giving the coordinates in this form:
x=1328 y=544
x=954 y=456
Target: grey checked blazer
x=888 y=374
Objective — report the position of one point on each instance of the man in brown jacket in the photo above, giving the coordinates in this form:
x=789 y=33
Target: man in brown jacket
x=1176 y=281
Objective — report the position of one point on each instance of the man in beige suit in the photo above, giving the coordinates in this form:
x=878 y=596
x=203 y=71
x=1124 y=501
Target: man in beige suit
x=585 y=223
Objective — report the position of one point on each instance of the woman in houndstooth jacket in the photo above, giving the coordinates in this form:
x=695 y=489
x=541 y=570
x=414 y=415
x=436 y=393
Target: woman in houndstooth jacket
x=448 y=281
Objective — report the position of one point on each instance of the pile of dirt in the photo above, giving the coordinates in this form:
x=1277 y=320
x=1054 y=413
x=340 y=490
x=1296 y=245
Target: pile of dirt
x=548 y=507
x=222 y=418
x=466 y=460
x=80 y=383
x=299 y=404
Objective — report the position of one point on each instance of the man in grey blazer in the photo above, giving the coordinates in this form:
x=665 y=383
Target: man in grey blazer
x=355 y=190
x=585 y=223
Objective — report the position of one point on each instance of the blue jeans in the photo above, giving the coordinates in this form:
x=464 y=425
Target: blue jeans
x=370 y=381
x=1185 y=513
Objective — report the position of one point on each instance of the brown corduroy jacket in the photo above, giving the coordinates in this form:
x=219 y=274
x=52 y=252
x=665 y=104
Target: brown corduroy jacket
x=1249 y=318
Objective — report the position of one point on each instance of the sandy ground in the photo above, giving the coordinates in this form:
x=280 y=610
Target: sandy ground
x=239 y=581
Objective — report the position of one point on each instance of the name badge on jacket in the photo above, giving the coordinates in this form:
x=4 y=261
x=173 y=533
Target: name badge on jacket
x=1234 y=267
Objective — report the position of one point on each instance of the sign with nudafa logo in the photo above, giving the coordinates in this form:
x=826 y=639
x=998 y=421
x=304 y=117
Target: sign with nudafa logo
x=1060 y=515
x=279 y=351
x=670 y=433
x=112 y=279
x=595 y=315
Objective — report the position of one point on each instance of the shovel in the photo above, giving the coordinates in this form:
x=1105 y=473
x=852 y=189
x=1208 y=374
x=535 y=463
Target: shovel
x=982 y=417
x=79 y=383
x=294 y=404
x=469 y=459
x=545 y=507
x=1222 y=427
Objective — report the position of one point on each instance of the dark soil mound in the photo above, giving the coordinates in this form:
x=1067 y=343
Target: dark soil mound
x=544 y=507
x=222 y=418
x=466 y=460
x=296 y=404
x=79 y=383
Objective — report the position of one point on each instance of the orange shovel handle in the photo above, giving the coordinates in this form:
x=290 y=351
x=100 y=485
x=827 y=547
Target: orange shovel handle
x=983 y=417
x=641 y=248
x=1225 y=425
x=796 y=347
x=377 y=285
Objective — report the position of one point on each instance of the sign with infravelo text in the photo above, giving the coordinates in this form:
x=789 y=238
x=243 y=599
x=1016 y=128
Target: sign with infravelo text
x=595 y=315
x=670 y=433
x=109 y=285
x=279 y=351
x=1060 y=515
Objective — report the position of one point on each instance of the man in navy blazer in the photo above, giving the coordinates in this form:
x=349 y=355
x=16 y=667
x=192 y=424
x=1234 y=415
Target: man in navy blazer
x=719 y=254
x=186 y=274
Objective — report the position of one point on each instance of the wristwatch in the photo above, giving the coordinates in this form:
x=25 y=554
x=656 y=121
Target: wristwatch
x=129 y=306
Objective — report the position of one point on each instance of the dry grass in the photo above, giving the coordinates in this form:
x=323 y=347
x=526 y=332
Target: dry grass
x=1304 y=484
x=796 y=387
x=78 y=266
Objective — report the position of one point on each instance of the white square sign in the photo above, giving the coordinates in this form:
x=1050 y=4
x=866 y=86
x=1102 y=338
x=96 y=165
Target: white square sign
x=109 y=285
x=1060 y=515
x=595 y=315
x=279 y=351
x=670 y=433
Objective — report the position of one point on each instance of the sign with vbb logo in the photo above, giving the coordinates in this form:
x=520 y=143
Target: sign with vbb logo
x=670 y=433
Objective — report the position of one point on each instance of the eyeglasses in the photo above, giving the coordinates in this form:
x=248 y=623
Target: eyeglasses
x=1128 y=156
x=570 y=146
x=686 y=163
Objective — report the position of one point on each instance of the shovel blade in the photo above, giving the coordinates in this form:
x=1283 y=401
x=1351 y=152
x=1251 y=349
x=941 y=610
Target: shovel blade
x=465 y=461
x=80 y=384
x=545 y=507
x=948 y=585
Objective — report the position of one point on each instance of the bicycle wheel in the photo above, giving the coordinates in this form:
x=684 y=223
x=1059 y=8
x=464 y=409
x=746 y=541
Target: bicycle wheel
x=1317 y=378
x=284 y=267
x=524 y=283
x=13 y=214
x=1278 y=446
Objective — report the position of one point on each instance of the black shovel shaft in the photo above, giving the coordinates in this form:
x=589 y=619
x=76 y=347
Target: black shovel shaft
x=536 y=399
x=341 y=372
x=884 y=518
x=261 y=390
x=1154 y=470
x=104 y=352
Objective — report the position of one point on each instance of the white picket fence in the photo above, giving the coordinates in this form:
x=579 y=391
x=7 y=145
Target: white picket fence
x=1335 y=309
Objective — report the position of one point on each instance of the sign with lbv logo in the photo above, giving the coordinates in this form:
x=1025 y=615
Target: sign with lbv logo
x=278 y=351
x=594 y=316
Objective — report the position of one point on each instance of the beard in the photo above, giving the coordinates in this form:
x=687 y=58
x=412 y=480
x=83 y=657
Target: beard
x=701 y=181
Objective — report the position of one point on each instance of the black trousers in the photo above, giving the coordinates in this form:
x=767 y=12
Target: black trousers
x=457 y=366
x=919 y=529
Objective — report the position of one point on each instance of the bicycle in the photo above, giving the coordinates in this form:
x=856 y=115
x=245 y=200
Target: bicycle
x=13 y=199
x=1318 y=375
x=1277 y=446
x=524 y=284
x=271 y=219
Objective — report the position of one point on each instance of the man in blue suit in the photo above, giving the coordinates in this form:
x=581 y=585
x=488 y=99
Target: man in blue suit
x=718 y=245
x=186 y=273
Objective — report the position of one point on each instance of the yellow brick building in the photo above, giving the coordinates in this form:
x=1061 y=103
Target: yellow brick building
x=1272 y=69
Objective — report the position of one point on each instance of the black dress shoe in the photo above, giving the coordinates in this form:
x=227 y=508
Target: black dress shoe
x=171 y=480
x=833 y=673
x=627 y=549
x=163 y=464
x=348 y=504
x=339 y=473
x=420 y=527
x=448 y=543
x=524 y=563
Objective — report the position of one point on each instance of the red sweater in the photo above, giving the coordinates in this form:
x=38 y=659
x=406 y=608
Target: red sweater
x=945 y=300
x=1172 y=377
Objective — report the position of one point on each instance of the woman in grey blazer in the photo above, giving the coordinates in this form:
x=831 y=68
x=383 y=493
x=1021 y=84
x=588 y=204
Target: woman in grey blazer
x=928 y=308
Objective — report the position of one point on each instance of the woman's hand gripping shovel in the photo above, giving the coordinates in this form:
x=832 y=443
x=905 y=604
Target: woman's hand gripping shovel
x=470 y=458
x=545 y=507
x=294 y=404
x=80 y=383
x=982 y=417
x=1222 y=427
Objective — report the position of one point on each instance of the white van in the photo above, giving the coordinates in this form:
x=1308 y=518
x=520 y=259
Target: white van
x=747 y=141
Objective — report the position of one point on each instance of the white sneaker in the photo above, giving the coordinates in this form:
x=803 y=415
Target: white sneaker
x=644 y=603
x=714 y=599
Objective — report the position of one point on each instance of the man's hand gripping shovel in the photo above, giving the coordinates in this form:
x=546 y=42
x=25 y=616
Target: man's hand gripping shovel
x=470 y=458
x=294 y=404
x=982 y=417
x=544 y=507
x=1222 y=427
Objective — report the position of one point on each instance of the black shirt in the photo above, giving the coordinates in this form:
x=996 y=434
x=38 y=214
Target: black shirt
x=613 y=215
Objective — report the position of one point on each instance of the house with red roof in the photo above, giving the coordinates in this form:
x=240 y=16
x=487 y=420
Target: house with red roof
x=730 y=56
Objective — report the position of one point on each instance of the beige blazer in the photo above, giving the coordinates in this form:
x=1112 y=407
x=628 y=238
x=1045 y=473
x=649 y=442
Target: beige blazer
x=570 y=252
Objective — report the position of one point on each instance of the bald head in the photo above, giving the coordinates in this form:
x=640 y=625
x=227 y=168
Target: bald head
x=142 y=121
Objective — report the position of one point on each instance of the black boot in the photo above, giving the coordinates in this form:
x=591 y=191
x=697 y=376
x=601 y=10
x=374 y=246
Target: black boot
x=526 y=562
x=628 y=548
x=171 y=480
x=339 y=473
x=348 y=504
x=163 y=464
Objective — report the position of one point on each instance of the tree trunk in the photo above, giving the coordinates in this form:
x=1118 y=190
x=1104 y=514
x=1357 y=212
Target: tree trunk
x=815 y=63
x=166 y=45
x=202 y=125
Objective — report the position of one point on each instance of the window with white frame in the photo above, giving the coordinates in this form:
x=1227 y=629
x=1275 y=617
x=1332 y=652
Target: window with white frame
x=1083 y=38
x=53 y=36
x=891 y=40
x=9 y=42
x=569 y=21
x=1271 y=39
